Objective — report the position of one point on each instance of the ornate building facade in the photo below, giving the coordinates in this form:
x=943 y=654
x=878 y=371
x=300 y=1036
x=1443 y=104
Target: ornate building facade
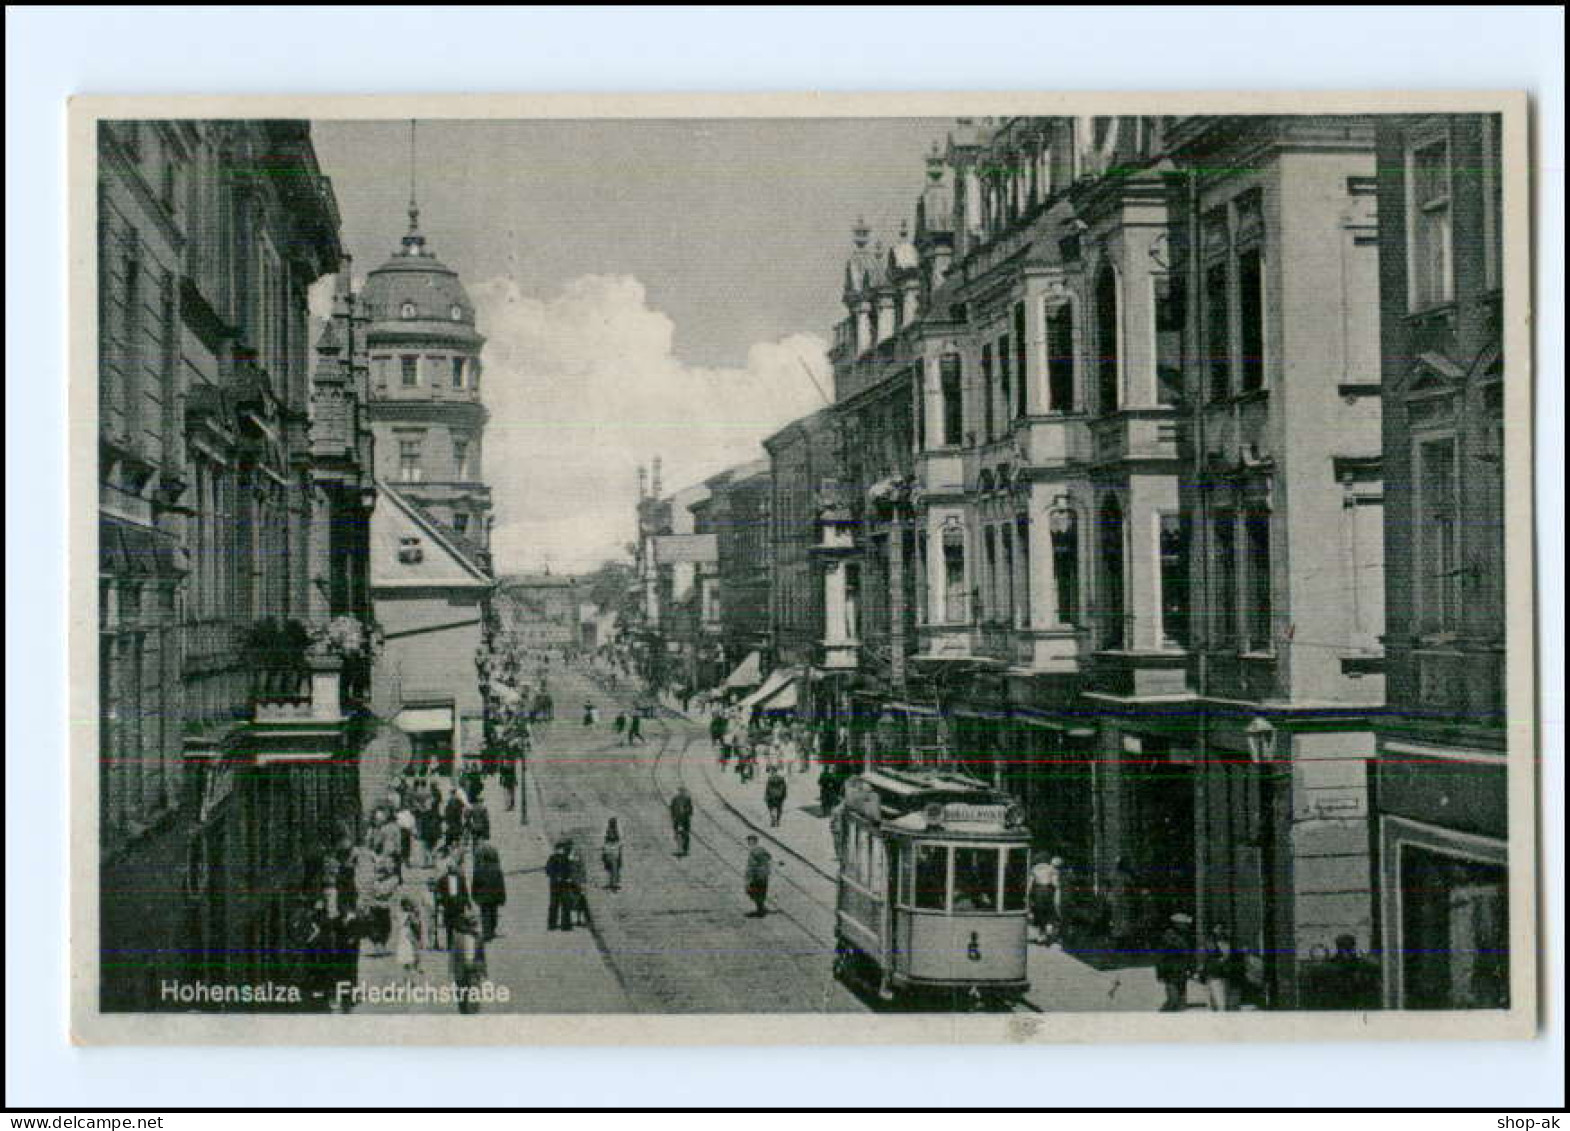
x=227 y=738
x=431 y=578
x=1110 y=528
x=1441 y=781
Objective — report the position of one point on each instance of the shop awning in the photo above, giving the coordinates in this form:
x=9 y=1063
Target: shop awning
x=748 y=673
x=783 y=699
x=772 y=688
x=423 y=720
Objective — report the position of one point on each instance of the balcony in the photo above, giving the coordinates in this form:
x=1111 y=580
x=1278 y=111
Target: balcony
x=1135 y=435
x=994 y=640
x=1138 y=675
x=1462 y=685
x=306 y=726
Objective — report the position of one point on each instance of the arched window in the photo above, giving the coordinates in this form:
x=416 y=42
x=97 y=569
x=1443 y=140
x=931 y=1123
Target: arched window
x=1060 y=356
x=1111 y=579
x=1108 y=363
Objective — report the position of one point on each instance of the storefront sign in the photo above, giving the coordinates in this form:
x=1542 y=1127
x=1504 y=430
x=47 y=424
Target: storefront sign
x=1332 y=804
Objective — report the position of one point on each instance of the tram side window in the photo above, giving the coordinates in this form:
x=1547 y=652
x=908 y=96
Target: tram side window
x=932 y=876
x=853 y=857
x=1014 y=879
x=975 y=879
x=907 y=868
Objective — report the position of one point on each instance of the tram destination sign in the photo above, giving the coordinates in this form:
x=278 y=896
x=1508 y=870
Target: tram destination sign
x=959 y=813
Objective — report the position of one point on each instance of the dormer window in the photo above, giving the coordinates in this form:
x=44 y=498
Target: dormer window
x=408 y=310
x=457 y=313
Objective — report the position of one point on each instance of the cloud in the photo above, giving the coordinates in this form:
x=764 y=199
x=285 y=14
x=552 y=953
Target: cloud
x=585 y=386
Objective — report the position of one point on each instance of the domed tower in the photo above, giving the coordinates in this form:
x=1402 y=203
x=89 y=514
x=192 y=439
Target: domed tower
x=424 y=407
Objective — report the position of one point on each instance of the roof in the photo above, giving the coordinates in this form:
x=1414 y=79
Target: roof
x=412 y=277
x=445 y=559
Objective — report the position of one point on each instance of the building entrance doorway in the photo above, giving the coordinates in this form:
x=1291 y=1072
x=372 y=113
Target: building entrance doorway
x=1159 y=793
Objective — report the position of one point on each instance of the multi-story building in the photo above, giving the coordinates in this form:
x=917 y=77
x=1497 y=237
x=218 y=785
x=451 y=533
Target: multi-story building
x=230 y=523
x=1440 y=812
x=431 y=578
x=1097 y=418
x=738 y=516
x=803 y=467
x=1277 y=234
x=539 y=610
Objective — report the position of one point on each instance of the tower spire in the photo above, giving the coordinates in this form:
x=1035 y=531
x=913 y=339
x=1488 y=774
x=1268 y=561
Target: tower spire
x=413 y=242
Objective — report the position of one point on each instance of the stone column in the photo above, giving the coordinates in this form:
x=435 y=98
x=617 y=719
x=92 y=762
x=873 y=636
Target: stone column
x=864 y=329
x=834 y=627
x=1043 y=570
x=885 y=320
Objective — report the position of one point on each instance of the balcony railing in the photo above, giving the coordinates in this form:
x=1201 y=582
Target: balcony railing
x=994 y=640
x=1465 y=684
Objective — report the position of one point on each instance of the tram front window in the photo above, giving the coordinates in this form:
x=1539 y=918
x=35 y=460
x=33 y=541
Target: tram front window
x=932 y=876
x=1015 y=875
x=975 y=879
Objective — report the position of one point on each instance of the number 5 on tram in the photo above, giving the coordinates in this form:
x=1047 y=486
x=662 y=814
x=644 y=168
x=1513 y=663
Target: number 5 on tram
x=933 y=869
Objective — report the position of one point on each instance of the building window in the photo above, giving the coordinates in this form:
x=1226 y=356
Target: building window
x=1174 y=542
x=950 y=374
x=1108 y=363
x=409 y=469
x=408 y=310
x=1438 y=537
x=1493 y=202
x=460 y=523
x=1021 y=382
x=1006 y=538
x=954 y=603
x=1218 y=331
x=1429 y=253
x=457 y=372
x=1022 y=542
x=1060 y=357
x=1005 y=383
x=1256 y=525
x=1455 y=931
x=129 y=393
x=1224 y=555
x=986 y=385
x=1169 y=315
x=1251 y=318
x=410 y=370
x=1113 y=610
x=460 y=459
x=1065 y=565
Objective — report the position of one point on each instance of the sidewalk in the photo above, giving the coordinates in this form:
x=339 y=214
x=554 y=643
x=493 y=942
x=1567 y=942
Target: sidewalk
x=1059 y=982
x=543 y=971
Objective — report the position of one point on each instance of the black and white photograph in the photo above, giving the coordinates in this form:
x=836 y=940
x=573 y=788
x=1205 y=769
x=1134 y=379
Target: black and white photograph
x=1047 y=570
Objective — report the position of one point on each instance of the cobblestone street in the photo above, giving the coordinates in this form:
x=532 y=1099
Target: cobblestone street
x=677 y=933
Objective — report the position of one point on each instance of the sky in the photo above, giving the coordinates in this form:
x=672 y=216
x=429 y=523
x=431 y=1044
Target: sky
x=647 y=288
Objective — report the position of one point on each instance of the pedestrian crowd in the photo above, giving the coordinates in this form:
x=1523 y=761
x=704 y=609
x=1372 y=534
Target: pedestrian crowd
x=420 y=875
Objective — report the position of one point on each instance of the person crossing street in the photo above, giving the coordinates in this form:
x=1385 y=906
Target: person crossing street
x=759 y=865
x=774 y=792
x=681 y=820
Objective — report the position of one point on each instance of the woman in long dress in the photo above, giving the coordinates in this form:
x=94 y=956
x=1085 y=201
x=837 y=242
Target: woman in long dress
x=610 y=855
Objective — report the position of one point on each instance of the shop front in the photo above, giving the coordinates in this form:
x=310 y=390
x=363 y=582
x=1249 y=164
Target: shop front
x=1444 y=878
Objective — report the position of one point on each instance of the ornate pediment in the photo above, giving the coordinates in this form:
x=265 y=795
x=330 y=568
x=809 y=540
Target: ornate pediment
x=1434 y=373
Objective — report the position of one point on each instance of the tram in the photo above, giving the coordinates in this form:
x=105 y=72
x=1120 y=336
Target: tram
x=931 y=892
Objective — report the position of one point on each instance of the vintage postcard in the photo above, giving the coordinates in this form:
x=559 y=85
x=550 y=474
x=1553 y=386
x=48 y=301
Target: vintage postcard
x=815 y=569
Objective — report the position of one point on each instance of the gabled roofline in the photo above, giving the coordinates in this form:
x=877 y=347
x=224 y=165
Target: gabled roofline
x=418 y=516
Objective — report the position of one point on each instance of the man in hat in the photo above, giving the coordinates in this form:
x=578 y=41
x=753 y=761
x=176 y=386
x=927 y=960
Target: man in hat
x=774 y=792
x=681 y=819
x=759 y=865
x=1175 y=962
x=558 y=873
